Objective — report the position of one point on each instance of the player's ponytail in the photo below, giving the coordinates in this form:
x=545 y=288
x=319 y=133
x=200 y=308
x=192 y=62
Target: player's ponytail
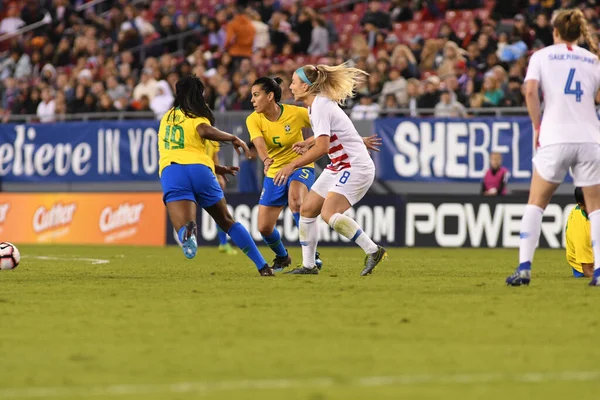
x=338 y=83
x=189 y=97
x=571 y=25
x=270 y=85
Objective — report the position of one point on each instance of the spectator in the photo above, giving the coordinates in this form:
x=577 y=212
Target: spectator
x=412 y=92
x=305 y=29
x=431 y=97
x=492 y=94
x=449 y=108
x=401 y=11
x=46 y=108
x=376 y=16
x=319 y=43
x=11 y=22
x=395 y=86
x=514 y=96
x=240 y=36
x=146 y=87
x=390 y=104
x=495 y=179
x=163 y=100
x=366 y=109
x=542 y=29
x=261 y=39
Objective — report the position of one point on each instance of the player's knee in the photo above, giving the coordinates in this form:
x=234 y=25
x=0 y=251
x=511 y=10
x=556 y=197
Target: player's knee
x=294 y=204
x=265 y=229
x=308 y=210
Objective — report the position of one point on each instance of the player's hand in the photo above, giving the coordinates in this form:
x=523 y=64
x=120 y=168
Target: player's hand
x=226 y=170
x=267 y=163
x=283 y=175
x=372 y=142
x=240 y=144
x=536 y=138
x=301 y=147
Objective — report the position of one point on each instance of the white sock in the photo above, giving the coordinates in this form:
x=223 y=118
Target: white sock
x=348 y=228
x=309 y=238
x=595 y=228
x=531 y=226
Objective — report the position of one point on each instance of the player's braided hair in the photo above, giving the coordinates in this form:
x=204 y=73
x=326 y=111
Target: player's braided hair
x=571 y=25
x=189 y=97
x=337 y=82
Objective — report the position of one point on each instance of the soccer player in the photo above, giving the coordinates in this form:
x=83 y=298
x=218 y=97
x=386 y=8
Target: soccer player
x=187 y=173
x=568 y=135
x=349 y=175
x=212 y=150
x=579 y=244
x=275 y=129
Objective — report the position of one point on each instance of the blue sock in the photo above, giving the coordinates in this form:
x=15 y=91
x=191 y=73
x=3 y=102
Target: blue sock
x=525 y=266
x=274 y=242
x=297 y=219
x=242 y=239
x=222 y=236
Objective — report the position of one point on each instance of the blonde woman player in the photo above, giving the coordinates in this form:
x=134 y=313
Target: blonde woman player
x=275 y=129
x=351 y=172
x=567 y=136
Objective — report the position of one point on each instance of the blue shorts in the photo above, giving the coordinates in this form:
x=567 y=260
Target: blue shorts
x=277 y=196
x=194 y=182
x=577 y=274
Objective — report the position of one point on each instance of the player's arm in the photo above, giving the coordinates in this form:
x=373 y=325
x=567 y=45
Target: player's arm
x=261 y=148
x=318 y=150
x=211 y=133
x=532 y=95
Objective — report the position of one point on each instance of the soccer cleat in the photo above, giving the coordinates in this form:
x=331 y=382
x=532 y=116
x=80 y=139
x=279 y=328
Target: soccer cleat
x=302 y=270
x=372 y=260
x=189 y=243
x=228 y=249
x=279 y=263
x=266 y=271
x=318 y=261
x=519 y=277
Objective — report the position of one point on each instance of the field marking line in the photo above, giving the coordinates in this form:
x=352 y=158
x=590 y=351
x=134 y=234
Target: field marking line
x=274 y=384
x=94 y=261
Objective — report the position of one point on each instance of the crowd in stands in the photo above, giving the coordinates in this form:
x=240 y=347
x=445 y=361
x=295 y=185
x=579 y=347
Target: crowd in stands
x=446 y=56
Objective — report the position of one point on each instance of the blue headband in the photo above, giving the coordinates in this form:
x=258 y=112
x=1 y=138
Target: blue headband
x=302 y=75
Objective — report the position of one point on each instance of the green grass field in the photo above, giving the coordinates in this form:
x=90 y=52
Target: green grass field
x=145 y=323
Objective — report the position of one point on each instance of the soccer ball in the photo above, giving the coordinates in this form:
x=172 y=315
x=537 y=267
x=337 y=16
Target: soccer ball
x=9 y=256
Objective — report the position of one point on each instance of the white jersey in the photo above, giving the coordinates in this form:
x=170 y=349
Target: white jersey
x=346 y=147
x=570 y=78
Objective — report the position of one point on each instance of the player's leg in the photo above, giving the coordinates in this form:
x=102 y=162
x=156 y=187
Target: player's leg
x=224 y=245
x=182 y=214
x=349 y=190
x=272 y=200
x=298 y=186
x=240 y=236
x=586 y=173
x=551 y=165
x=209 y=196
x=267 y=219
x=178 y=195
x=309 y=229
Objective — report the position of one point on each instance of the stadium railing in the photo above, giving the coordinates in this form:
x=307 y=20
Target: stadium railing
x=131 y=115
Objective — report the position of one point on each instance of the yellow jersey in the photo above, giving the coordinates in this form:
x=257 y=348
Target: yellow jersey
x=212 y=148
x=579 y=242
x=179 y=141
x=280 y=135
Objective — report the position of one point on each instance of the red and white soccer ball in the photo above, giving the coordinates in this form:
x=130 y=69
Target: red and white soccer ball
x=9 y=256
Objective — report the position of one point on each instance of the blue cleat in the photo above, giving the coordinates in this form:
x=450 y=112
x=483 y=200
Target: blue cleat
x=318 y=261
x=189 y=243
x=521 y=276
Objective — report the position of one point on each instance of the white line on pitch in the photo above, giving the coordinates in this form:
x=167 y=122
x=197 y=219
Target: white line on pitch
x=53 y=258
x=273 y=384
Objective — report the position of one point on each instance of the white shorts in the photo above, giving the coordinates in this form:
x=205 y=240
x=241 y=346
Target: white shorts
x=352 y=183
x=553 y=162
